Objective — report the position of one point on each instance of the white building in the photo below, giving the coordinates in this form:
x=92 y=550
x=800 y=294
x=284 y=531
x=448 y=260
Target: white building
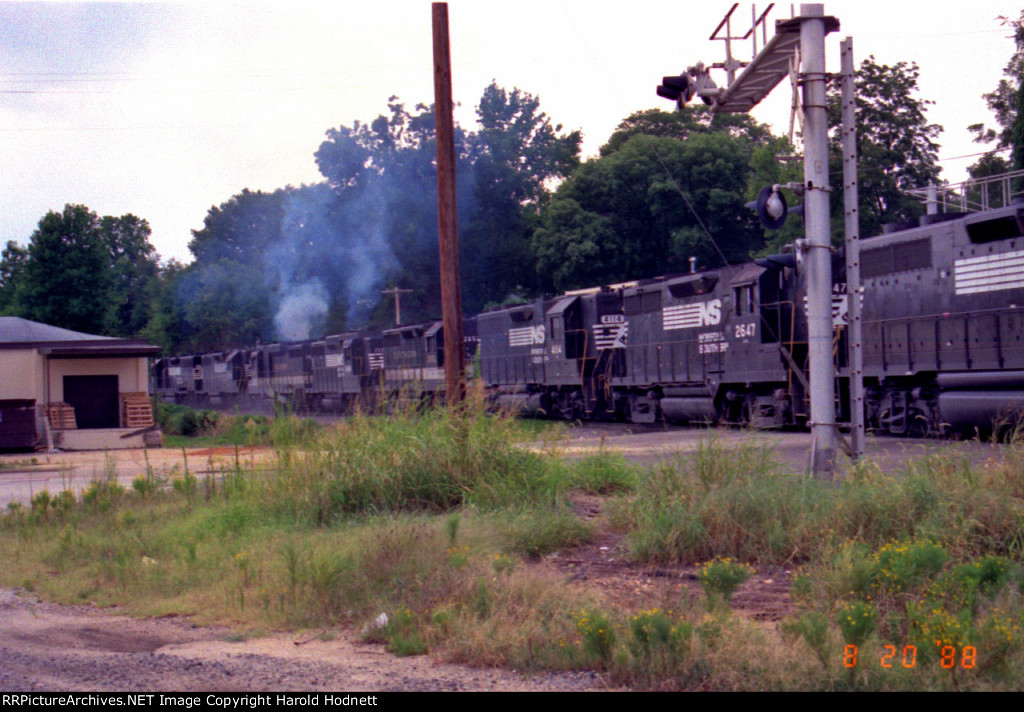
x=88 y=392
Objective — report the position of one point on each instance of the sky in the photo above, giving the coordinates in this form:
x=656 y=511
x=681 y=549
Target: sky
x=163 y=110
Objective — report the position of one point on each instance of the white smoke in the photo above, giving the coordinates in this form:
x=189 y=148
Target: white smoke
x=301 y=311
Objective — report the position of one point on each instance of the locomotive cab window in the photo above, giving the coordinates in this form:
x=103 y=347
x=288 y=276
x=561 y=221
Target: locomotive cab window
x=743 y=297
x=556 y=327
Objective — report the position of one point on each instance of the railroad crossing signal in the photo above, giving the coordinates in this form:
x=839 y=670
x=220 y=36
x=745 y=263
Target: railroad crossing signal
x=695 y=81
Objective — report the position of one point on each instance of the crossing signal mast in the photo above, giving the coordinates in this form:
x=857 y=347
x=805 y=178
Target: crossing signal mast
x=799 y=42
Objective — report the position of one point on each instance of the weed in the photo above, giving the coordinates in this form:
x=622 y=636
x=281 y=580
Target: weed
x=597 y=632
x=721 y=577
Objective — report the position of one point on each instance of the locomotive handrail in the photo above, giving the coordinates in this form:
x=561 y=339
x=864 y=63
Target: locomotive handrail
x=958 y=195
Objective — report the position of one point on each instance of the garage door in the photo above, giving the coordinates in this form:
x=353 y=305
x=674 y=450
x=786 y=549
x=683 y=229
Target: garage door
x=94 y=399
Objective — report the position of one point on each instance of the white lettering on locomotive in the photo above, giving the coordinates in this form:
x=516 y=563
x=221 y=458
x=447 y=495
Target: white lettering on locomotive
x=610 y=335
x=712 y=342
x=840 y=305
x=692 y=316
x=989 y=273
x=526 y=335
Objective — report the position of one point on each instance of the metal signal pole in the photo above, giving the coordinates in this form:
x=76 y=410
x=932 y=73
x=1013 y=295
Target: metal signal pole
x=818 y=258
x=854 y=334
x=451 y=292
x=805 y=33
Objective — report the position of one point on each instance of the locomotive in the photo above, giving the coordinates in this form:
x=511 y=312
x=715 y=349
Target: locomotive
x=942 y=304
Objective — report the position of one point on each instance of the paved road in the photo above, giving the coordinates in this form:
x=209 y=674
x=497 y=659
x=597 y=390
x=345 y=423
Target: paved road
x=23 y=476
x=791 y=449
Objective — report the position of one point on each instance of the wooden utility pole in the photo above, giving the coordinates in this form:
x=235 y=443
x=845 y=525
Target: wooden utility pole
x=396 y=292
x=451 y=292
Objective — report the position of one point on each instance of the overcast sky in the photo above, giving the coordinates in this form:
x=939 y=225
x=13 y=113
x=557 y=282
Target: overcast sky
x=163 y=110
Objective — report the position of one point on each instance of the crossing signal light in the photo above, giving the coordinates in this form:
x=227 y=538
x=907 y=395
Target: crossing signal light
x=695 y=81
x=679 y=89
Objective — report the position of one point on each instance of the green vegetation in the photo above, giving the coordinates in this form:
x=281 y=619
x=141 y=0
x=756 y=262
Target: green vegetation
x=445 y=523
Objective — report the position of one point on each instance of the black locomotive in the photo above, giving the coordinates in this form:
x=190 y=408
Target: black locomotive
x=943 y=325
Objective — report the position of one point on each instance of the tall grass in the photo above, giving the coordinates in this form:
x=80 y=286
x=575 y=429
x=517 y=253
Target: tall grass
x=424 y=531
x=737 y=502
x=433 y=462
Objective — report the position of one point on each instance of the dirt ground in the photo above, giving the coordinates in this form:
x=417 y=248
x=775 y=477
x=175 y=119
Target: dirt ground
x=48 y=647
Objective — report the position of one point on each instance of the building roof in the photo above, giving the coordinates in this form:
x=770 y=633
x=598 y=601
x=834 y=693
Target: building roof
x=18 y=333
x=14 y=329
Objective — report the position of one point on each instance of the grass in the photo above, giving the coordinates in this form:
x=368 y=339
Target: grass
x=437 y=521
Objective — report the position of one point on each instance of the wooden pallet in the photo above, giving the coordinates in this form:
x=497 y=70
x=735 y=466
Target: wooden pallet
x=62 y=416
x=136 y=410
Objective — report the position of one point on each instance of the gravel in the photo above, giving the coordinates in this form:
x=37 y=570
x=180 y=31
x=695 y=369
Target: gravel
x=53 y=648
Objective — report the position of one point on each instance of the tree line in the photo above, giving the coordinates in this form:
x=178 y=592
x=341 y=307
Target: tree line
x=301 y=262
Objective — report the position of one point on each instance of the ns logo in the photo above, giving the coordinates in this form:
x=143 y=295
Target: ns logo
x=711 y=312
x=526 y=336
x=693 y=315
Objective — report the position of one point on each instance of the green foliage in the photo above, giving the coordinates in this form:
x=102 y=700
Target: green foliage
x=12 y=268
x=603 y=474
x=721 y=577
x=133 y=269
x=516 y=153
x=646 y=207
x=435 y=460
x=1004 y=102
x=598 y=634
x=176 y=419
x=82 y=272
x=251 y=550
x=683 y=124
x=383 y=179
x=536 y=532
x=741 y=505
x=66 y=280
x=897 y=148
x=813 y=628
x=856 y=621
x=901 y=566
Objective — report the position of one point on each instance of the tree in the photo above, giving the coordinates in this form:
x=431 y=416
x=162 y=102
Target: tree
x=686 y=122
x=12 y=267
x=384 y=179
x=134 y=266
x=323 y=253
x=384 y=209
x=67 y=277
x=667 y=187
x=1004 y=98
x=240 y=228
x=516 y=153
x=83 y=272
x=646 y=208
x=896 y=146
x=1007 y=104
